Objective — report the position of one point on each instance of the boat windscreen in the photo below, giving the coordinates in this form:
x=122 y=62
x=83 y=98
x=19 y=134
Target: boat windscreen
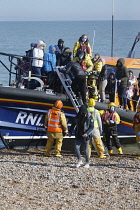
x=110 y=68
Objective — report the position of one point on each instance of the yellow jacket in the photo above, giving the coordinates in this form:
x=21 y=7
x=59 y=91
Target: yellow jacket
x=87 y=63
x=117 y=117
x=63 y=124
x=97 y=66
x=96 y=117
x=77 y=46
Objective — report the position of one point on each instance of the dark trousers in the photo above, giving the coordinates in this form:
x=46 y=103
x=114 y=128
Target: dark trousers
x=128 y=103
x=79 y=85
x=111 y=131
x=37 y=73
x=111 y=97
x=122 y=96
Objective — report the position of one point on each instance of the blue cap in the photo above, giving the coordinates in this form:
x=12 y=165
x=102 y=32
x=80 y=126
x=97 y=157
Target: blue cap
x=32 y=44
x=112 y=72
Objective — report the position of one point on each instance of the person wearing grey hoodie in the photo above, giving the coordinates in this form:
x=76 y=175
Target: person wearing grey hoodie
x=122 y=75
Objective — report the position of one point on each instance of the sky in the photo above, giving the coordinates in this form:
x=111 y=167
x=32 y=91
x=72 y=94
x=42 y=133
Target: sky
x=59 y=10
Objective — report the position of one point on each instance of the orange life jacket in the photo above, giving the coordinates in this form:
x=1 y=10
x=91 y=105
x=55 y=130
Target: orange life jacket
x=54 y=124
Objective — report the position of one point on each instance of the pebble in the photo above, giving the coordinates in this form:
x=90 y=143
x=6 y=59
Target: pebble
x=29 y=180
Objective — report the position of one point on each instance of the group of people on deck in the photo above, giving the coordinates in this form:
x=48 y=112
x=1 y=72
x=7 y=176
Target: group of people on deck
x=96 y=81
x=87 y=73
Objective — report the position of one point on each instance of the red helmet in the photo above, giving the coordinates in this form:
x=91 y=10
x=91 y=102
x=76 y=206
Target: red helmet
x=58 y=104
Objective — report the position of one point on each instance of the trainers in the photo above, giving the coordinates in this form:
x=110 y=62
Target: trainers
x=79 y=164
x=86 y=165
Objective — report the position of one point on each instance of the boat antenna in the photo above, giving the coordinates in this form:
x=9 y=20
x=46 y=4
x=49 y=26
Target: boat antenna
x=93 y=40
x=112 y=28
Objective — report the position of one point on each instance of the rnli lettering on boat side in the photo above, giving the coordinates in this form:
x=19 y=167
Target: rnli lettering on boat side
x=29 y=118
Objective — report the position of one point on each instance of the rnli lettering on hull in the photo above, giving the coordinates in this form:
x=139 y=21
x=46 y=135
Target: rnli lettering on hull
x=25 y=118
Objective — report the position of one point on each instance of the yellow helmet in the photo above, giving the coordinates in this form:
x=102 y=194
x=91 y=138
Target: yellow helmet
x=91 y=102
x=111 y=104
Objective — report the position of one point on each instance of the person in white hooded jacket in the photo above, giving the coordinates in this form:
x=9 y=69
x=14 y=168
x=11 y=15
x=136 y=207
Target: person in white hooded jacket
x=37 y=64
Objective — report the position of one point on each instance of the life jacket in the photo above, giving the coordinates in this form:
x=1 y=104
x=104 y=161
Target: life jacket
x=93 y=112
x=108 y=116
x=84 y=47
x=82 y=64
x=97 y=61
x=54 y=124
x=137 y=118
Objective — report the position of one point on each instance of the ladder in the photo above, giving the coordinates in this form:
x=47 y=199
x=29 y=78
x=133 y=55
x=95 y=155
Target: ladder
x=66 y=82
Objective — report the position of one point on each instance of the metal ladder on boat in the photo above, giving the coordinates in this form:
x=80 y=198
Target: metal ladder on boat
x=66 y=82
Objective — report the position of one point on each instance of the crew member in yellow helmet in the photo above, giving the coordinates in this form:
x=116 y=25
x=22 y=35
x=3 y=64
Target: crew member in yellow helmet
x=110 y=120
x=136 y=125
x=96 y=138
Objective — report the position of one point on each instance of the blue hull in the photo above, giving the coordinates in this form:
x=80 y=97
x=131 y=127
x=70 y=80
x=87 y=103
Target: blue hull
x=22 y=115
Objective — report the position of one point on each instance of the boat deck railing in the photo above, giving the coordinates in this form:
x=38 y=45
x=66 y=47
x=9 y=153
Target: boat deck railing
x=16 y=68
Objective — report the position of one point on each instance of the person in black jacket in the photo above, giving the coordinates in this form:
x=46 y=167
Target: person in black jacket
x=78 y=79
x=59 y=48
x=122 y=76
x=111 y=86
x=84 y=126
x=29 y=53
x=102 y=82
x=64 y=58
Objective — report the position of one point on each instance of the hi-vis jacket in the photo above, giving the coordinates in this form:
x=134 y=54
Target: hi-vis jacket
x=86 y=64
x=96 y=117
x=85 y=46
x=55 y=123
x=97 y=65
x=107 y=116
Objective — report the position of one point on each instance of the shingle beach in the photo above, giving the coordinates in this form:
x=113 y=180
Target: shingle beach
x=29 y=180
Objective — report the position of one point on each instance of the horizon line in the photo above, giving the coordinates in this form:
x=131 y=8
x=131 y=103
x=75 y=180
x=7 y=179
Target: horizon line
x=65 y=20
x=59 y=20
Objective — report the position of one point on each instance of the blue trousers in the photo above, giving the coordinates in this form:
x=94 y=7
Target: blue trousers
x=78 y=142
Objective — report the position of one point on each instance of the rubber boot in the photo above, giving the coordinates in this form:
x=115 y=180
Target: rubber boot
x=48 y=147
x=120 y=151
x=102 y=156
x=89 y=148
x=110 y=151
x=99 y=147
x=58 y=147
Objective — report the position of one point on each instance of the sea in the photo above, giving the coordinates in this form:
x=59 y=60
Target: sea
x=16 y=36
